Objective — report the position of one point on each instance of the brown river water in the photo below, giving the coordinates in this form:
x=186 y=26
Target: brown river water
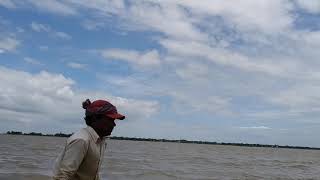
x=32 y=158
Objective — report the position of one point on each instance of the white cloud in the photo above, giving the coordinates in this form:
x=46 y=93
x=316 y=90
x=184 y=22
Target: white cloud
x=312 y=6
x=311 y=38
x=189 y=32
x=169 y=19
x=43 y=48
x=46 y=99
x=75 y=65
x=20 y=30
x=46 y=28
x=179 y=19
x=195 y=72
x=185 y=27
x=40 y=27
x=93 y=25
x=304 y=97
x=62 y=35
x=132 y=86
x=248 y=15
x=213 y=104
x=187 y=102
x=32 y=61
x=256 y=128
x=53 y=6
x=224 y=57
x=7 y=3
x=146 y=59
x=294 y=100
x=27 y=93
x=105 y=7
x=136 y=109
x=66 y=8
x=8 y=44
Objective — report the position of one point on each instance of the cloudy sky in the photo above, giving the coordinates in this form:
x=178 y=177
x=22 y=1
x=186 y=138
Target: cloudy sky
x=227 y=71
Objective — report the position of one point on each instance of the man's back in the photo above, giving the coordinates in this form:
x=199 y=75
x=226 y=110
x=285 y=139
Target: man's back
x=81 y=157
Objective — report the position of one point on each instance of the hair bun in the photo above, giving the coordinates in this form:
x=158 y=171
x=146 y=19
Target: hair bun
x=86 y=103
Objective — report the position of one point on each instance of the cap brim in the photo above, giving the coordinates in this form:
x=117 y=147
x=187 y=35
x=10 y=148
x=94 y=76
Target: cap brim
x=116 y=116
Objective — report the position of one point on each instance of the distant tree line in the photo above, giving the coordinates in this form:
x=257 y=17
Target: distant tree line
x=168 y=140
x=213 y=143
x=38 y=134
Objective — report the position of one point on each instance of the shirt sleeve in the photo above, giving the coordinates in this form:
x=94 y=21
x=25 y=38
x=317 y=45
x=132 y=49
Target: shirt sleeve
x=73 y=155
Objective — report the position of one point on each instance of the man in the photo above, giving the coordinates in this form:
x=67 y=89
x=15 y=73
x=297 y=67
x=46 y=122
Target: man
x=83 y=152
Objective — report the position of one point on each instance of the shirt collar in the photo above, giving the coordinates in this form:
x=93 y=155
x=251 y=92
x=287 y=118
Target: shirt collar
x=93 y=134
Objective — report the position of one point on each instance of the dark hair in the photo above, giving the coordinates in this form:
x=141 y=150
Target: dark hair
x=86 y=103
x=88 y=119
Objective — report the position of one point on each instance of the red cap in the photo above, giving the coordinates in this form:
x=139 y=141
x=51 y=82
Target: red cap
x=101 y=107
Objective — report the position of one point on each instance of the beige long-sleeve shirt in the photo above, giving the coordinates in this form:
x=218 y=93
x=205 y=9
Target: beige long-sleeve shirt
x=81 y=157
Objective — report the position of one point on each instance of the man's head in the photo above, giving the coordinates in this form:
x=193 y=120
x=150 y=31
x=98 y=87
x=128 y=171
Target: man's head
x=100 y=115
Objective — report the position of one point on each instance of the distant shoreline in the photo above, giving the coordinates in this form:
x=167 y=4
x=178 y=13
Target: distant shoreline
x=167 y=140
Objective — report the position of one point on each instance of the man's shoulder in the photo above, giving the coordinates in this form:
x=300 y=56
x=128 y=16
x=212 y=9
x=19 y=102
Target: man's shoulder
x=81 y=134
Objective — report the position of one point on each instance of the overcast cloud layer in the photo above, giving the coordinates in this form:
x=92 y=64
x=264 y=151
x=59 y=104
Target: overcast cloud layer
x=198 y=70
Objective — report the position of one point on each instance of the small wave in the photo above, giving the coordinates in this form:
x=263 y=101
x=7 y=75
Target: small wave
x=156 y=175
x=17 y=176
